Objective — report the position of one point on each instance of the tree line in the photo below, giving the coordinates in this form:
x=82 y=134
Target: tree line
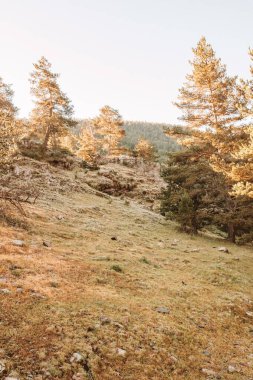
x=52 y=123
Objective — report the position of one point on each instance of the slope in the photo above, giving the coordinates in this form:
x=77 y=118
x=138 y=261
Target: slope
x=100 y=289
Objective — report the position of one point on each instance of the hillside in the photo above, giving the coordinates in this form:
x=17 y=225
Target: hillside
x=93 y=287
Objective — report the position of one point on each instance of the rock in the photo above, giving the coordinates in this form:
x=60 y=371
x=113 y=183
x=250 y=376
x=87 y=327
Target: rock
x=173 y=359
x=60 y=217
x=79 y=376
x=18 y=243
x=249 y=313
x=77 y=358
x=3 y=280
x=2 y=367
x=93 y=328
x=162 y=310
x=5 y=291
x=118 y=325
x=208 y=372
x=46 y=243
x=121 y=352
x=223 y=249
x=231 y=369
x=13 y=375
x=114 y=238
x=105 y=321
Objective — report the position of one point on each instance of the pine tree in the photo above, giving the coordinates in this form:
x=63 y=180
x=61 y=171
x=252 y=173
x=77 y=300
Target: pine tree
x=209 y=104
x=107 y=127
x=7 y=122
x=89 y=145
x=212 y=105
x=195 y=193
x=144 y=150
x=52 y=115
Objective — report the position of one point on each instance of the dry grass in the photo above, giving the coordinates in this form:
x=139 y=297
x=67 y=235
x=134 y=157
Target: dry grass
x=60 y=293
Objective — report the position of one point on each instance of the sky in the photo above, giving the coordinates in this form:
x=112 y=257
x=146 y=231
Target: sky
x=130 y=54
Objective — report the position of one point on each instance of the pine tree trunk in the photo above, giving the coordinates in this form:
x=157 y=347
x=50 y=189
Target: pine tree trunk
x=46 y=139
x=231 y=232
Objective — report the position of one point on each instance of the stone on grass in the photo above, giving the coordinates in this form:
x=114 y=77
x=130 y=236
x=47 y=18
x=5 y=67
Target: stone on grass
x=18 y=243
x=223 y=249
x=208 y=372
x=121 y=352
x=77 y=358
x=105 y=320
x=232 y=369
x=162 y=310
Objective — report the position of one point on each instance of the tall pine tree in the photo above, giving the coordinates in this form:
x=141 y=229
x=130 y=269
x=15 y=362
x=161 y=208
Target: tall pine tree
x=209 y=104
x=52 y=115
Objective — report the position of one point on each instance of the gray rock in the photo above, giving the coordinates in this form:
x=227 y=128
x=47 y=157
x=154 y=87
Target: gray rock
x=223 y=249
x=162 y=310
x=208 y=372
x=105 y=320
x=77 y=358
x=121 y=352
x=231 y=369
x=118 y=325
x=173 y=359
x=18 y=243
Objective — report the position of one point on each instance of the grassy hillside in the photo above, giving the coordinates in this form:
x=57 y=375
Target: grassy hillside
x=115 y=292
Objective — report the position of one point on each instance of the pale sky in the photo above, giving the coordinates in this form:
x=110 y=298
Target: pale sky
x=130 y=54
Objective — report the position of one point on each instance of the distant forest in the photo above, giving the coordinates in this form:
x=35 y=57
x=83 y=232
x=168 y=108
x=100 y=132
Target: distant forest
x=153 y=132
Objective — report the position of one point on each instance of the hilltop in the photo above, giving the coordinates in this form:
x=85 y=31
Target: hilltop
x=94 y=287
